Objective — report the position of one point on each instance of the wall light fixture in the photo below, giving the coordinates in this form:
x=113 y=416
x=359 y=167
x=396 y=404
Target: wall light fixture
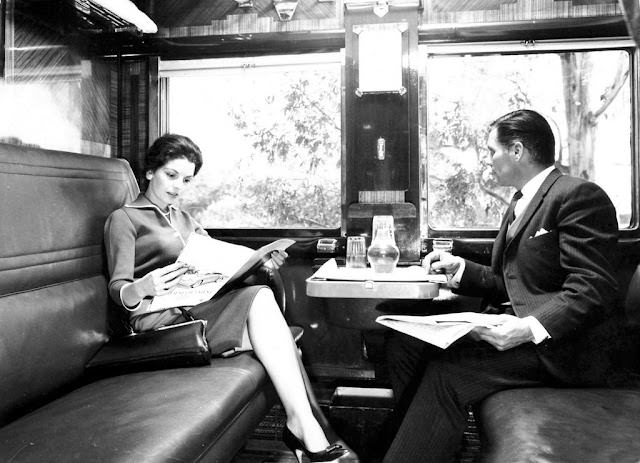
x=285 y=8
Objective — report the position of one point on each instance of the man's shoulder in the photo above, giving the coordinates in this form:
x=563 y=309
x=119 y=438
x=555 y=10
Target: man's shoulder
x=570 y=183
x=572 y=193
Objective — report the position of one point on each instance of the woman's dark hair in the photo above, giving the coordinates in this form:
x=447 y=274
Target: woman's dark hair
x=169 y=147
x=529 y=128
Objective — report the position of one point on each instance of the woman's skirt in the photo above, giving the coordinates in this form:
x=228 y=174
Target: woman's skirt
x=226 y=318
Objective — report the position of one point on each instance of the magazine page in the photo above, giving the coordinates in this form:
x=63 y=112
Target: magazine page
x=440 y=330
x=330 y=271
x=209 y=255
x=217 y=264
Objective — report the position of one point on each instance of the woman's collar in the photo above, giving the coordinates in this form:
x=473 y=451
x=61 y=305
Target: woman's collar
x=142 y=202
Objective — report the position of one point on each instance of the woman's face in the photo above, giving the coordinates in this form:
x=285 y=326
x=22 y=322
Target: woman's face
x=166 y=182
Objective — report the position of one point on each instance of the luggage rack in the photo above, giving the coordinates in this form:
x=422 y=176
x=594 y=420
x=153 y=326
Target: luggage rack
x=95 y=18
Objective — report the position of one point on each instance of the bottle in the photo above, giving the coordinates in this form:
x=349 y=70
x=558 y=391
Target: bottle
x=383 y=254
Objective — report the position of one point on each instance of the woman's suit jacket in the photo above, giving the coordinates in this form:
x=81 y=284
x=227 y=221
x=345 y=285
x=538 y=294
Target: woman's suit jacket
x=557 y=267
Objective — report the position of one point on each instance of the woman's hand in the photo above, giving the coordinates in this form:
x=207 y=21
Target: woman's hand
x=277 y=260
x=162 y=280
x=154 y=283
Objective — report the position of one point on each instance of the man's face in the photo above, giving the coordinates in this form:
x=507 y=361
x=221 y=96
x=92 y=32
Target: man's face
x=503 y=160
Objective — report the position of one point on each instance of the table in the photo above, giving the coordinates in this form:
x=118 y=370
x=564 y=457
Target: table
x=355 y=304
x=370 y=289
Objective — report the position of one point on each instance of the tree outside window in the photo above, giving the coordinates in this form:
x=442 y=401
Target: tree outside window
x=270 y=136
x=586 y=97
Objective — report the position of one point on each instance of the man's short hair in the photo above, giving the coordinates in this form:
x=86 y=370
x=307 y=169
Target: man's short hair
x=529 y=128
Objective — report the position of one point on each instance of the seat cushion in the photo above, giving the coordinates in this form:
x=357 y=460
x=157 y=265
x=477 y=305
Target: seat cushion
x=167 y=415
x=561 y=425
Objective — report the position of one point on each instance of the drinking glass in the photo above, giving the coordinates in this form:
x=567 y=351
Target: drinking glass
x=356 y=252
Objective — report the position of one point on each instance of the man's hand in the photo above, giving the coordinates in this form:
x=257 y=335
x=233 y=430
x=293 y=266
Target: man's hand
x=510 y=332
x=441 y=262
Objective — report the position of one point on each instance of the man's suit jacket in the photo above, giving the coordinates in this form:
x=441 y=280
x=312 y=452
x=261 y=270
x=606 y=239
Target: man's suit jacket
x=557 y=267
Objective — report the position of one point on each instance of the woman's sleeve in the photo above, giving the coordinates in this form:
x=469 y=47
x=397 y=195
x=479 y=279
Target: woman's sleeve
x=120 y=244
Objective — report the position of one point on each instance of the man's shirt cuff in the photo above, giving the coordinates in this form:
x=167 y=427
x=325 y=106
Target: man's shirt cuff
x=539 y=332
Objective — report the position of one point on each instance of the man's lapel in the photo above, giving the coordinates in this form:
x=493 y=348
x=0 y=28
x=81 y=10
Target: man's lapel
x=533 y=206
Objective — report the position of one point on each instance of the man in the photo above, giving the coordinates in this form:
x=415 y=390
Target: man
x=550 y=284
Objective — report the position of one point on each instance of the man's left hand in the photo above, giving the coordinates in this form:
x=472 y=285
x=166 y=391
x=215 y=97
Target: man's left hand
x=510 y=332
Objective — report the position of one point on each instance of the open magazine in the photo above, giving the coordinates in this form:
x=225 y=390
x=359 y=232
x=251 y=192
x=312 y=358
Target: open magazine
x=440 y=330
x=218 y=265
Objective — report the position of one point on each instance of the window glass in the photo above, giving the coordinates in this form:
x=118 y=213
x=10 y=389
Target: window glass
x=585 y=95
x=269 y=130
x=42 y=114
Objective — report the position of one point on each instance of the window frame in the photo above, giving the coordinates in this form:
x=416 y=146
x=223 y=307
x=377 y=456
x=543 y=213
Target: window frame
x=529 y=47
x=195 y=66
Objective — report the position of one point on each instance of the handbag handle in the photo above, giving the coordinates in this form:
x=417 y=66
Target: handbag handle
x=188 y=316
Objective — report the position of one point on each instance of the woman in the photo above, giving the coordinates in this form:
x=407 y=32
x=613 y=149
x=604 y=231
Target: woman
x=143 y=240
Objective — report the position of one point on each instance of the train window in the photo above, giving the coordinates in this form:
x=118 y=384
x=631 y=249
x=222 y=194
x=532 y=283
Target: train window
x=43 y=114
x=270 y=131
x=584 y=90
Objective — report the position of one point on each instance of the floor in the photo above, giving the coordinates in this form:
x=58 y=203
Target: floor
x=360 y=426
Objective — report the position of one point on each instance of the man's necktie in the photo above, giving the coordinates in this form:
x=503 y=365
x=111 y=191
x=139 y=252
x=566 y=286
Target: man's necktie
x=512 y=206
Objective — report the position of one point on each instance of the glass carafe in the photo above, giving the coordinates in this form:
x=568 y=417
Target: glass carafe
x=383 y=254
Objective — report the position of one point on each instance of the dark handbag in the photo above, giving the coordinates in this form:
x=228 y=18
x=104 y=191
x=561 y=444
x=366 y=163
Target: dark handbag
x=180 y=345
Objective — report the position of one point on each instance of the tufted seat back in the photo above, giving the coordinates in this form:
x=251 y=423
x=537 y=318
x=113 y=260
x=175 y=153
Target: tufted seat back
x=53 y=298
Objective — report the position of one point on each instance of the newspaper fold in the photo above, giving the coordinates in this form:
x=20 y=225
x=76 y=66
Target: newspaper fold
x=440 y=330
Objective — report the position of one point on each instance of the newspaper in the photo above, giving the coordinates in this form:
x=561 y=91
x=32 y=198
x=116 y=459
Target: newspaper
x=217 y=264
x=439 y=330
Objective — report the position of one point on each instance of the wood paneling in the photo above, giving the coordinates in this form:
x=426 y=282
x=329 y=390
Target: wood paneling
x=130 y=90
x=201 y=18
x=488 y=11
x=204 y=17
x=392 y=116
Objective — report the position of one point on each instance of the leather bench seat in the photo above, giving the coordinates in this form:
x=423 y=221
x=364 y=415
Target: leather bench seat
x=567 y=425
x=561 y=426
x=55 y=315
x=157 y=416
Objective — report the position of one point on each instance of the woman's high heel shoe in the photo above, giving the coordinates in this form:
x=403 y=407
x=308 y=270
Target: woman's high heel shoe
x=333 y=452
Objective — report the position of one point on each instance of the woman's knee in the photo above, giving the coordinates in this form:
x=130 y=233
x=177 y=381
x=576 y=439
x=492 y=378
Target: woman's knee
x=264 y=304
x=265 y=297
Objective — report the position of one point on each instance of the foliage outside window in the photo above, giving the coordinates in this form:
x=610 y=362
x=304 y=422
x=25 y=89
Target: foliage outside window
x=585 y=95
x=269 y=130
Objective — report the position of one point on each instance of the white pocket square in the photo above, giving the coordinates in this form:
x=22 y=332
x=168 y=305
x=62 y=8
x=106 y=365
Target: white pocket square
x=541 y=232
